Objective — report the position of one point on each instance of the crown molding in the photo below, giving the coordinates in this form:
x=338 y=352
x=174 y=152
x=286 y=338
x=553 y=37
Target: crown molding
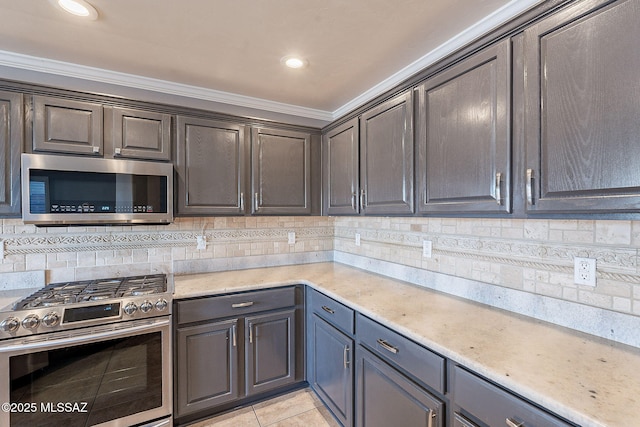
x=492 y=21
x=67 y=69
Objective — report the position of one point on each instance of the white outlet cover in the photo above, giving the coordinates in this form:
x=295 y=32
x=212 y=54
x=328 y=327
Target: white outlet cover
x=357 y=239
x=202 y=242
x=427 y=247
x=291 y=237
x=584 y=271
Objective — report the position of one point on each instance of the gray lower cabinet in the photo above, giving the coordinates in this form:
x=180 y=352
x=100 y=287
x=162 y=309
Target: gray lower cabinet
x=280 y=171
x=481 y=403
x=331 y=372
x=137 y=134
x=340 y=158
x=464 y=136
x=270 y=344
x=11 y=140
x=582 y=103
x=211 y=159
x=385 y=397
x=387 y=156
x=66 y=126
x=207 y=368
x=230 y=349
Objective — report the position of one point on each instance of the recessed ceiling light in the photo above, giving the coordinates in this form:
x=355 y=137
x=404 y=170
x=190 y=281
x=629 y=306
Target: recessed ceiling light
x=77 y=7
x=294 y=62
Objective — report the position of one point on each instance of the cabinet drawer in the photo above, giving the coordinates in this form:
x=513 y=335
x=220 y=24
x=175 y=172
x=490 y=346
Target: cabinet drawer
x=337 y=314
x=493 y=406
x=234 y=305
x=419 y=362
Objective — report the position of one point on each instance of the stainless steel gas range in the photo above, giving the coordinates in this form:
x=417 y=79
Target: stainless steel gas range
x=95 y=352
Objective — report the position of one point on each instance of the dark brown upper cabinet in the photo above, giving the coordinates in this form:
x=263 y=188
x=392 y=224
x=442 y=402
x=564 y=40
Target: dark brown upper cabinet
x=138 y=134
x=11 y=137
x=464 y=141
x=340 y=157
x=67 y=126
x=280 y=171
x=582 y=96
x=211 y=159
x=387 y=156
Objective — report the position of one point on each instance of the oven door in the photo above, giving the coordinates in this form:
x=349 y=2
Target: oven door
x=112 y=375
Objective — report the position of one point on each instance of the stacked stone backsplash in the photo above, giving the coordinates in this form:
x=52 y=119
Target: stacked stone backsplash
x=77 y=253
x=534 y=256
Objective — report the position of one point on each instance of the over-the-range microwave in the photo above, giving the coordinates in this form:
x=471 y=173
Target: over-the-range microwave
x=66 y=190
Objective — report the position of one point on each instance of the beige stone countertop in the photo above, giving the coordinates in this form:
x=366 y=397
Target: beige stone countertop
x=587 y=380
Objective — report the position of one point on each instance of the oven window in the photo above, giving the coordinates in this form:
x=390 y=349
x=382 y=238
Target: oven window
x=87 y=384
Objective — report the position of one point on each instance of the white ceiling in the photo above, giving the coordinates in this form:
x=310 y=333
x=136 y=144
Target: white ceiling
x=230 y=50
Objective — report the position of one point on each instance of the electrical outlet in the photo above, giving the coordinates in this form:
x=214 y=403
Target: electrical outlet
x=202 y=242
x=584 y=271
x=291 y=237
x=357 y=239
x=426 y=248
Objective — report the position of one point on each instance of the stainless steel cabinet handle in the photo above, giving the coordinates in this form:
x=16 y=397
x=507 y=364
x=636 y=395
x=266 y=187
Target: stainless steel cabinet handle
x=242 y=201
x=362 y=199
x=96 y=149
x=529 y=186
x=242 y=304
x=345 y=356
x=233 y=336
x=387 y=346
x=498 y=188
x=250 y=334
x=255 y=201
x=327 y=309
x=117 y=151
x=513 y=423
x=353 y=201
x=431 y=416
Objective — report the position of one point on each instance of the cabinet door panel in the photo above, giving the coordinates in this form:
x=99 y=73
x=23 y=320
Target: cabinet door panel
x=331 y=370
x=11 y=137
x=386 y=163
x=211 y=158
x=139 y=134
x=281 y=176
x=269 y=351
x=464 y=136
x=207 y=366
x=386 y=398
x=582 y=108
x=340 y=158
x=66 y=126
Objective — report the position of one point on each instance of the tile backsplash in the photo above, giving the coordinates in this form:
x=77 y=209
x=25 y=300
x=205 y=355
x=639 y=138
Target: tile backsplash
x=534 y=256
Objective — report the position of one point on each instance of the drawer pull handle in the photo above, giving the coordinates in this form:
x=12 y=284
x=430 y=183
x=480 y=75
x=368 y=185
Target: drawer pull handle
x=354 y=196
x=327 y=309
x=431 y=416
x=242 y=304
x=498 y=188
x=513 y=423
x=345 y=356
x=387 y=346
x=241 y=201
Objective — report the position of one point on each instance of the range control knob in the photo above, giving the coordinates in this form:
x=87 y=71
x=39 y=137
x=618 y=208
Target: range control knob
x=146 y=306
x=130 y=308
x=50 y=320
x=161 y=304
x=10 y=324
x=31 y=322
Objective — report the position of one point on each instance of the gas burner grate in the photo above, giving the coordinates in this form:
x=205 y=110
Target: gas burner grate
x=65 y=293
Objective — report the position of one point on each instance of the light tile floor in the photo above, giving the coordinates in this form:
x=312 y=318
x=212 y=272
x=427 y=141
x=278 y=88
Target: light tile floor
x=300 y=408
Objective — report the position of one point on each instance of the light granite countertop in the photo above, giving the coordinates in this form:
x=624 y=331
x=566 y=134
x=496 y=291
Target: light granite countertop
x=585 y=379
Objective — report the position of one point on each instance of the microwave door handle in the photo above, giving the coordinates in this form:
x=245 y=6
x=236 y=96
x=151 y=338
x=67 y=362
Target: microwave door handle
x=84 y=339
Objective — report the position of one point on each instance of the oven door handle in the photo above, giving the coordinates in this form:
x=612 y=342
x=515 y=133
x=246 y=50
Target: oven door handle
x=91 y=337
